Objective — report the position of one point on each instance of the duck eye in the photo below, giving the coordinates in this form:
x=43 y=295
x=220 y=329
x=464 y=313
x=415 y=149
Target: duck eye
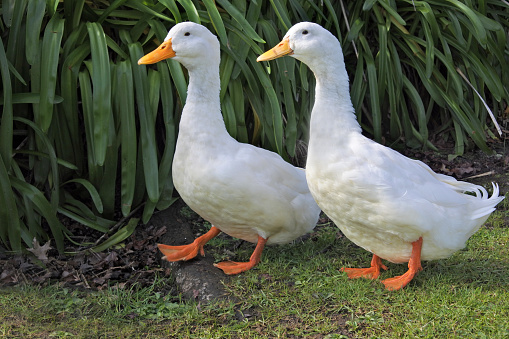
x=187 y=34
x=304 y=32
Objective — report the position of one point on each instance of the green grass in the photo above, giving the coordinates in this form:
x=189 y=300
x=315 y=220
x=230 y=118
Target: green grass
x=296 y=291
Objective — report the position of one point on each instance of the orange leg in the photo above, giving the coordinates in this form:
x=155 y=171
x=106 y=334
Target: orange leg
x=414 y=266
x=232 y=267
x=186 y=252
x=370 y=273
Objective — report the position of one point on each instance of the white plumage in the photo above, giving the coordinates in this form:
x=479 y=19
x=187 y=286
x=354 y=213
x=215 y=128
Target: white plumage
x=244 y=191
x=380 y=199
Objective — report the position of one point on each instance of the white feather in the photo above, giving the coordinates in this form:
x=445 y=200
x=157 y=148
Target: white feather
x=243 y=190
x=380 y=199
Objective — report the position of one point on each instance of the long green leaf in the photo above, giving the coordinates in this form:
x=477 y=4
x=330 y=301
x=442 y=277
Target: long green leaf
x=94 y=171
x=281 y=13
x=128 y=134
x=49 y=63
x=35 y=15
x=215 y=19
x=44 y=155
x=110 y=9
x=191 y=11
x=91 y=190
x=177 y=73
x=415 y=98
x=44 y=208
x=119 y=236
x=237 y=15
x=165 y=164
x=479 y=30
x=145 y=9
x=172 y=6
x=9 y=217
x=147 y=130
x=376 y=114
x=275 y=111
x=6 y=124
x=29 y=98
x=101 y=82
x=7 y=10
x=15 y=45
x=82 y=220
x=55 y=182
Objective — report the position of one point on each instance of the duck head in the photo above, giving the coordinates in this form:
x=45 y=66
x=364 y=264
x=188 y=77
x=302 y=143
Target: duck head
x=191 y=44
x=307 y=42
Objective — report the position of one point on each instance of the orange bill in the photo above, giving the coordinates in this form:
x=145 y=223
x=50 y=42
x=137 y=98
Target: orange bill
x=282 y=49
x=164 y=51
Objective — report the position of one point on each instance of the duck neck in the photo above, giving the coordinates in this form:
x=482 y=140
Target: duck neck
x=201 y=115
x=333 y=114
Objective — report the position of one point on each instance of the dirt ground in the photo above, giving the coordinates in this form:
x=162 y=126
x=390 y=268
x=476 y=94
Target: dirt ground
x=138 y=260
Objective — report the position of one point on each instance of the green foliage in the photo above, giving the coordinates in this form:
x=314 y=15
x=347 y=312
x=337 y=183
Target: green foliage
x=85 y=132
x=413 y=53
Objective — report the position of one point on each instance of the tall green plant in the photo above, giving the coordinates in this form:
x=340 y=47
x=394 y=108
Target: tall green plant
x=87 y=133
x=417 y=51
x=406 y=60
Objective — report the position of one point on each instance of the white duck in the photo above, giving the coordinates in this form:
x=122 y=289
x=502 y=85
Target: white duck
x=395 y=207
x=245 y=191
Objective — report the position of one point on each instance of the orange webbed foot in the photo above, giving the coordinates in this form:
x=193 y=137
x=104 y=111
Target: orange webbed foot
x=233 y=267
x=414 y=266
x=180 y=253
x=396 y=283
x=187 y=252
x=370 y=273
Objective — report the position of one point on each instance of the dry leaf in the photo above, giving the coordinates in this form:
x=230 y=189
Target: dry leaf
x=40 y=252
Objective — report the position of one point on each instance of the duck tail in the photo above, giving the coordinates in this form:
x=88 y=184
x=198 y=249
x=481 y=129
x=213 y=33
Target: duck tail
x=484 y=205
